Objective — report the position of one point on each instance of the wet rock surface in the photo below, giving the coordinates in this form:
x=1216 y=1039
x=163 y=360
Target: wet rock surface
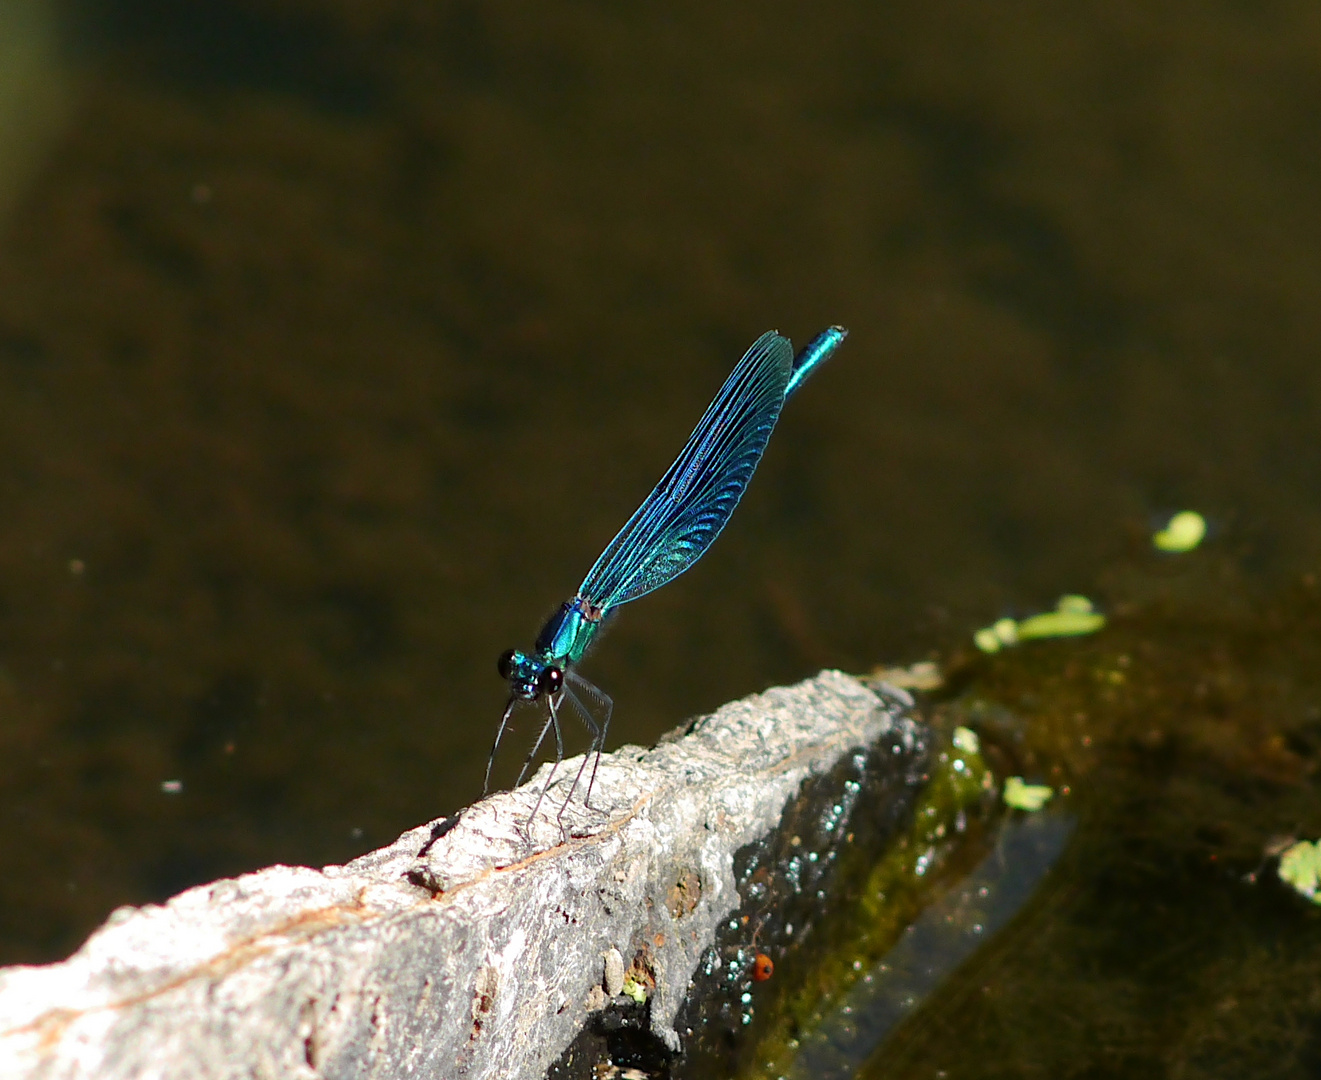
x=789 y=882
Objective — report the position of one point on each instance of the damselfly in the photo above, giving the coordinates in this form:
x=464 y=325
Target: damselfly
x=669 y=532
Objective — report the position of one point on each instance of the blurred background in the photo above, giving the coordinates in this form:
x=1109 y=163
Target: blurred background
x=337 y=339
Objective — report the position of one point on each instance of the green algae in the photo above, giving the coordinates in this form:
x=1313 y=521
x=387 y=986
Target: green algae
x=948 y=830
x=635 y=990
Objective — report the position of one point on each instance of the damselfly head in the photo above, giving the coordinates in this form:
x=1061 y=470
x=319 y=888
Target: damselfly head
x=521 y=672
x=528 y=677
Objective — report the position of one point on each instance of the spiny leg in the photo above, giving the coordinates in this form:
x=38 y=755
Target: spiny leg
x=586 y=718
x=607 y=706
x=554 y=721
x=499 y=734
x=536 y=746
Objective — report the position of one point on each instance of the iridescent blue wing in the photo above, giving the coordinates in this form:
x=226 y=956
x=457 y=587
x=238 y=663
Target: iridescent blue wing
x=685 y=512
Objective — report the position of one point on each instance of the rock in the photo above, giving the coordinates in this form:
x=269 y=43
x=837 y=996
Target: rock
x=476 y=947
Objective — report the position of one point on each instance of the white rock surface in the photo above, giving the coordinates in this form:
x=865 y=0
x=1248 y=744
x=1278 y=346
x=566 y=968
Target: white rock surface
x=481 y=960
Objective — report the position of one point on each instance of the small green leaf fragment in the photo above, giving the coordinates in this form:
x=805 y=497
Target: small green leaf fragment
x=1300 y=867
x=996 y=636
x=1073 y=615
x=1052 y=624
x=1023 y=796
x=965 y=739
x=1183 y=532
x=635 y=990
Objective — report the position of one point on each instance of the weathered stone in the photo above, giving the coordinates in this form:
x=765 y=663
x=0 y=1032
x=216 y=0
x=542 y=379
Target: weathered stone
x=479 y=947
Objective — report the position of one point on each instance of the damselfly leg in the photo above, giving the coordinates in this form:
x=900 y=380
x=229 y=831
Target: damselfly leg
x=605 y=705
x=499 y=734
x=598 y=740
x=552 y=721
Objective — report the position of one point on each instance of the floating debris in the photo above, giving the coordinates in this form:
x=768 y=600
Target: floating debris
x=1300 y=868
x=997 y=636
x=1073 y=615
x=1020 y=795
x=1183 y=532
x=924 y=675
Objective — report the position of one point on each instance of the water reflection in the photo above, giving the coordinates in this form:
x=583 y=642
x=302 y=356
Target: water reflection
x=947 y=933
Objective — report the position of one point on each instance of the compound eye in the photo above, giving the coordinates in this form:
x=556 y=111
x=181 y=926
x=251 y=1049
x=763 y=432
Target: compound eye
x=550 y=680
x=505 y=665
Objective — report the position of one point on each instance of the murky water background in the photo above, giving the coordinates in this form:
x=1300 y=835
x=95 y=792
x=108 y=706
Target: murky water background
x=336 y=340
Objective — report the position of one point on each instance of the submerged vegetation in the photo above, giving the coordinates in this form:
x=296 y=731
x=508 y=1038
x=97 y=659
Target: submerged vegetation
x=1181 y=746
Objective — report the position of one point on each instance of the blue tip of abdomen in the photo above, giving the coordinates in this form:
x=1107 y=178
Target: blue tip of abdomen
x=813 y=355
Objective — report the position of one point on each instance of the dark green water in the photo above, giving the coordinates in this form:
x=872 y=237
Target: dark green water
x=336 y=340
x=1184 y=741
